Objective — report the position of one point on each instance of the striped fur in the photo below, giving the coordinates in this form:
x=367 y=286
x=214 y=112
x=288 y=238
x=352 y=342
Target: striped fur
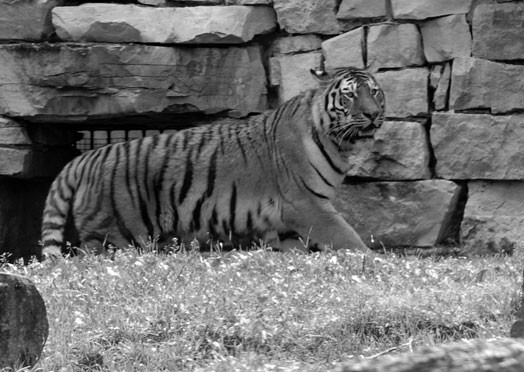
x=275 y=173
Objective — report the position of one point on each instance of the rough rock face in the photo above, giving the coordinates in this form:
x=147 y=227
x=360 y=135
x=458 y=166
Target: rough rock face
x=399 y=213
x=497 y=31
x=469 y=146
x=439 y=80
x=478 y=83
x=350 y=9
x=394 y=46
x=23 y=155
x=406 y=91
x=422 y=9
x=501 y=355
x=344 y=50
x=188 y=25
x=493 y=217
x=99 y=80
x=298 y=43
x=26 y=19
x=399 y=152
x=307 y=16
x=446 y=38
x=24 y=323
x=294 y=74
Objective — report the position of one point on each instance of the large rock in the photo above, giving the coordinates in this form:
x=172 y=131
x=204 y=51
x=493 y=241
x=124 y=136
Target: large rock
x=26 y=19
x=497 y=31
x=188 y=25
x=493 y=217
x=294 y=76
x=394 y=45
x=71 y=82
x=406 y=91
x=481 y=84
x=475 y=146
x=446 y=38
x=24 y=323
x=399 y=152
x=295 y=44
x=396 y=214
x=422 y=9
x=307 y=16
x=480 y=355
x=344 y=50
x=351 y=9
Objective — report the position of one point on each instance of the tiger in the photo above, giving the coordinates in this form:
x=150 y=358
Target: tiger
x=274 y=174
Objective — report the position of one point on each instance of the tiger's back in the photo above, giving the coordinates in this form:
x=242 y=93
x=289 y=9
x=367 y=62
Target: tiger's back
x=235 y=180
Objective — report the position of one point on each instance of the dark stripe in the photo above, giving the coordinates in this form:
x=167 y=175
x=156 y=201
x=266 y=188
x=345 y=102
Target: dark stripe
x=188 y=179
x=112 y=196
x=149 y=147
x=321 y=175
x=213 y=222
x=127 y=180
x=195 y=224
x=141 y=179
x=48 y=242
x=317 y=194
x=241 y=147
x=249 y=222
x=316 y=138
x=211 y=174
x=232 y=208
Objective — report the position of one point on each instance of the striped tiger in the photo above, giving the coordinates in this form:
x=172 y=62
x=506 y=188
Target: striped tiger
x=274 y=174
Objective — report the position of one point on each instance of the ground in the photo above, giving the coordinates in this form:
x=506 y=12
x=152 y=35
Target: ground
x=264 y=311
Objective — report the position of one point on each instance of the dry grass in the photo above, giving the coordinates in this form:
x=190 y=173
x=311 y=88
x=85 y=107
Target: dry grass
x=264 y=311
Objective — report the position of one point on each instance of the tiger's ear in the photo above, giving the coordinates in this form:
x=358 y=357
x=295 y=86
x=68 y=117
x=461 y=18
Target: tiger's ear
x=320 y=75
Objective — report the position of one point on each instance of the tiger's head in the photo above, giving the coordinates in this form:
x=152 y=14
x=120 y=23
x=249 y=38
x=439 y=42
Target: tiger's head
x=351 y=105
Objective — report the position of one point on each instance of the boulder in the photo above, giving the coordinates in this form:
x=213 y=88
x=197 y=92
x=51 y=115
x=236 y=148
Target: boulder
x=481 y=84
x=307 y=16
x=499 y=354
x=26 y=19
x=399 y=152
x=493 y=218
x=399 y=214
x=351 y=9
x=440 y=77
x=476 y=146
x=406 y=91
x=394 y=45
x=446 y=38
x=295 y=44
x=126 y=23
x=294 y=72
x=24 y=323
x=422 y=9
x=497 y=31
x=344 y=50
x=72 y=82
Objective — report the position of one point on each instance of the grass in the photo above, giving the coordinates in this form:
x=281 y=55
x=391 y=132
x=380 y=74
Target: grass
x=264 y=311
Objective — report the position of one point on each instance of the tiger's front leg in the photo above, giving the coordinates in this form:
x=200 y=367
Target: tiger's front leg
x=321 y=225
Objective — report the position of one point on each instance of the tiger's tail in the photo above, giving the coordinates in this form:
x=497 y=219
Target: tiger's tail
x=56 y=211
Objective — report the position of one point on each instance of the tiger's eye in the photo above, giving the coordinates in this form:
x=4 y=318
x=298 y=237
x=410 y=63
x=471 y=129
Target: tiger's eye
x=373 y=91
x=350 y=95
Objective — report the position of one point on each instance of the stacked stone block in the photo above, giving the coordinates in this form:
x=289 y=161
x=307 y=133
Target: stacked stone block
x=451 y=71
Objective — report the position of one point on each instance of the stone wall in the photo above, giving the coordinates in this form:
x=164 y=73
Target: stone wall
x=445 y=167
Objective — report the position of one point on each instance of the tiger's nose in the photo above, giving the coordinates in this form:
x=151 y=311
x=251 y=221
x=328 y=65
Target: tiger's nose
x=371 y=115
